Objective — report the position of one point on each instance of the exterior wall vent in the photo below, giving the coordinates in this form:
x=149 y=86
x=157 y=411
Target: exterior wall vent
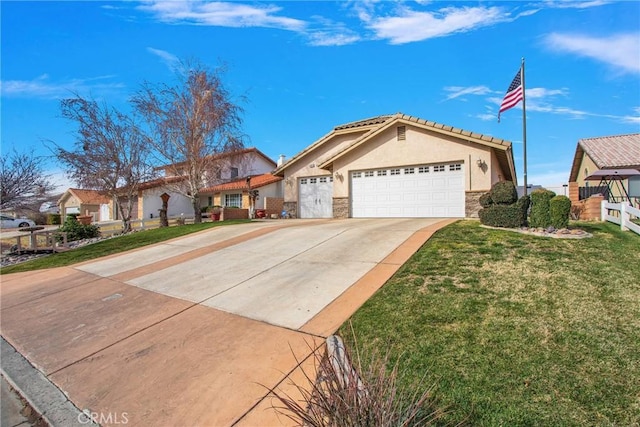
x=402 y=133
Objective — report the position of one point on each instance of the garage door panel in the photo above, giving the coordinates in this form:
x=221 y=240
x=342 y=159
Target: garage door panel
x=315 y=196
x=409 y=192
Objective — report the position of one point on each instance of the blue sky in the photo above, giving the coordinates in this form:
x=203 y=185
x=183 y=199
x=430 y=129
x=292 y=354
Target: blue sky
x=305 y=67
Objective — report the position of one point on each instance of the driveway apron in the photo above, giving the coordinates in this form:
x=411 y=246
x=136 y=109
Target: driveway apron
x=198 y=330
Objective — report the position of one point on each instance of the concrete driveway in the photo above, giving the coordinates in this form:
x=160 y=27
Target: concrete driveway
x=197 y=330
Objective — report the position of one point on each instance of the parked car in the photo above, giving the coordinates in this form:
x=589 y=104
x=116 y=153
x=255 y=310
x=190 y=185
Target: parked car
x=11 y=222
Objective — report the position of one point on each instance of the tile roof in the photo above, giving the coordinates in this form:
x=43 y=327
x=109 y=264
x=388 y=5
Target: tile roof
x=159 y=182
x=257 y=181
x=366 y=122
x=93 y=197
x=616 y=151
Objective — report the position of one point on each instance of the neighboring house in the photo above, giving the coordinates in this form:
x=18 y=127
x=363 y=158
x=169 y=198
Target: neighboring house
x=395 y=166
x=236 y=193
x=229 y=167
x=86 y=202
x=616 y=152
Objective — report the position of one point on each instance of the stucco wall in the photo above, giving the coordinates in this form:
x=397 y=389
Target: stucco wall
x=152 y=203
x=307 y=165
x=420 y=147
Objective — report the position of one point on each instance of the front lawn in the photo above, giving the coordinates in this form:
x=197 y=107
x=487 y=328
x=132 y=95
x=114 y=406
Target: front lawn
x=517 y=330
x=113 y=246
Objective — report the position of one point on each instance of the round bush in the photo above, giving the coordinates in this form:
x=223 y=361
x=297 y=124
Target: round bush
x=559 y=211
x=540 y=216
x=504 y=193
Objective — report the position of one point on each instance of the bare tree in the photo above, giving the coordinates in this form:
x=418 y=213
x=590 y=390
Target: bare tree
x=109 y=155
x=23 y=183
x=194 y=124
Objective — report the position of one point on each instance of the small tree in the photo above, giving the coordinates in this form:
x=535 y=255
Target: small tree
x=23 y=183
x=193 y=124
x=110 y=153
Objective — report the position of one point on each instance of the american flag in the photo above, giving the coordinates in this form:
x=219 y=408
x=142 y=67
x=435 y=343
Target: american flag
x=515 y=94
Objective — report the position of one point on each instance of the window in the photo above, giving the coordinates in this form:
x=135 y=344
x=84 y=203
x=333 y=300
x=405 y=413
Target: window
x=402 y=133
x=409 y=171
x=323 y=179
x=423 y=169
x=331 y=178
x=439 y=168
x=357 y=174
x=455 y=167
x=313 y=180
x=210 y=201
x=233 y=200
x=234 y=173
x=303 y=181
x=382 y=173
x=395 y=171
x=368 y=174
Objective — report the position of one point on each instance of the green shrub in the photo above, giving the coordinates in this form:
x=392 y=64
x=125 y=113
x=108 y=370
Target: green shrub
x=54 y=219
x=507 y=216
x=559 y=211
x=523 y=208
x=504 y=193
x=485 y=200
x=77 y=231
x=540 y=216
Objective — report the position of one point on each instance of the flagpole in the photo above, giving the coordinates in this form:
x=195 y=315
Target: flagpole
x=524 y=126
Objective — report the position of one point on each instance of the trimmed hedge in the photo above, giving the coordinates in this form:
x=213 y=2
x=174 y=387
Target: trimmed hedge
x=507 y=216
x=559 y=211
x=485 y=200
x=540 y=216
x=523 y=204
x=504 y=193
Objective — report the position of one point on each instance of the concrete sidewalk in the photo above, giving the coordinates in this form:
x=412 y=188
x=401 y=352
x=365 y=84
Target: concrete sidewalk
x=197 y=331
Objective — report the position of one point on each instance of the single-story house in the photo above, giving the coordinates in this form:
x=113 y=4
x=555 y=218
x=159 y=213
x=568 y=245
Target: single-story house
x=229 y=167
x=395 y=166
x=236 y=193
x=615 y=152
x=86 y=202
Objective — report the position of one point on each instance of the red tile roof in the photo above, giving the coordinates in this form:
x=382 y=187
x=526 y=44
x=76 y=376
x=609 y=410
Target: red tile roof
x=90 y=197
x=257 y=181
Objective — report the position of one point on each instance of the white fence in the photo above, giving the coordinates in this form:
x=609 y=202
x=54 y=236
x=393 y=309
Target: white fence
x=622 y=215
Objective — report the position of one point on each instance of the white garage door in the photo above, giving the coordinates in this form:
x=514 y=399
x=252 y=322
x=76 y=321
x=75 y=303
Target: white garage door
x=316 y=197
x=414 y=191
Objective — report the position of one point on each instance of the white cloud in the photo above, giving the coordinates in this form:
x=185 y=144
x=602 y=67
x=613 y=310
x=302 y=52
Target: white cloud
x=573 y=4
x=411 y=26
x=540 y=92
x=169 y=59
x=223 y=14
x=43 y=87
x=326 y=38
x=458 y=91
x=620 y=51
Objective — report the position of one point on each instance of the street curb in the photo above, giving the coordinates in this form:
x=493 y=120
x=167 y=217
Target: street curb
x=44 y=397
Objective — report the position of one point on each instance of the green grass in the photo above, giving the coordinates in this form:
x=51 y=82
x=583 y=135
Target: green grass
x=113 y=246
x=517 y=330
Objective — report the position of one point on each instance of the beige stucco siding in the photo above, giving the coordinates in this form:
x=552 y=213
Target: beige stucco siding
x=587 y=167
x=307 y=164
x=420 y=147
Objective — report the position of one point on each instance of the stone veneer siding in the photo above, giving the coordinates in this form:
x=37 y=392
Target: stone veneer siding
x=472 y=203
x=291 y=208
x=341 y=207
